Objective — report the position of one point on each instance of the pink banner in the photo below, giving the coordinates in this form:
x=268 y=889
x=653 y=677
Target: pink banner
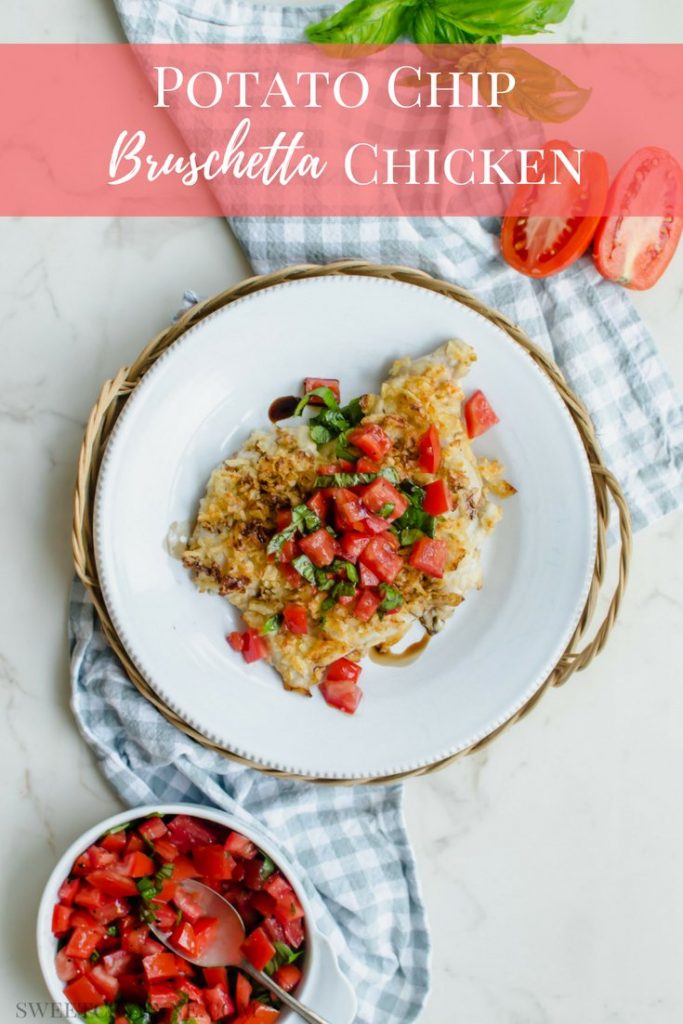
x=90 y=130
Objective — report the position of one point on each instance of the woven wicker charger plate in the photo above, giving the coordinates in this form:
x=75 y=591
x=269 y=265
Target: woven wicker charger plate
x=115 y=393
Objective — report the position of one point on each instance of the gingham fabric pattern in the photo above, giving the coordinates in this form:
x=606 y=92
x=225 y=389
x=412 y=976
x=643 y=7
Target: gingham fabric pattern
x=350 y=843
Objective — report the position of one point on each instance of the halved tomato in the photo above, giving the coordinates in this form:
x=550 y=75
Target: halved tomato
x=633 y=245
x=538 y=240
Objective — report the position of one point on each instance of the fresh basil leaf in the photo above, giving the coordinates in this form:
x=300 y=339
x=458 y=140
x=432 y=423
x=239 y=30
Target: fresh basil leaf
x=414 y=493
x=95 y=956
x=363 y=21
x=322 y=580
x=328 y=604
x=331 y=420
x=113 y=930
x=344 y=450
x=408 y=537
x=117 y=828
x=386 y=510
x=392 y=599
x=304 y=566
x=356 y=479
x=327 y=394
x=272 y=624
x=304 y=519
x=285 y=954
x=353 y=412
x=320 y=434
x=341 y=565
x=164 y=872
x=414 y=518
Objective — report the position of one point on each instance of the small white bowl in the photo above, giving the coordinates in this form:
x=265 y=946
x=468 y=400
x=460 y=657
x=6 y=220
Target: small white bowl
x=323 y=987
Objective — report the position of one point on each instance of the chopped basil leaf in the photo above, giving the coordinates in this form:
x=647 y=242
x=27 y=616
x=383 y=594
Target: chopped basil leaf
x=100 y=1015
x=356 y=479
x=320 y=434
x=414 y=518
x=285 y=954
x=117 y=828
x=392 y=599
x=327 y=395
x=353 y=412
x=175 y=1016
x=414 y=493
x=303 y=519
x=165 y=871
x=328 y=604
x=113 y=930
x=94 y=956
x=408 y=537
x=271 y=967
x=386 y=509
x=322 y=580
x=136 y=1014
x=272 y=624
x=267 y=868
x=332 y=420
x=344 y=450
x=341 y=565
x=304 y=566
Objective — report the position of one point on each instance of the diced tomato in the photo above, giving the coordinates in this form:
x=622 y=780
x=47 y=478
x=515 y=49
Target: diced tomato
x=382 y=560
x=188 y=903
x=213 y=861
x=192 y=991
x=349 y=509
x=437 y=498
x=429 y=556
x=258 y=949
x=311 y=383
x=367 y=604
x=319 y=546
x=168 y=890
x=68 y=890
x=239 y=871
x=115 y=842
x=133 y=987
x=371 y=440
x=343 y=668
x=167 y=850
x=153 y=828
x=82 y=943
x=139 y=942
x=134 y=843
x=100 y=858
x=137 y=865
x=288 y=976
x=288 y=551
x=258 y=1013
x=110 y=910
x=342 y=694
x=163 y=996
x=205 y=931
x=239 y=846
x=242 y=993
x=113 y=883
x=89 y=897
x=264 y=903
x=81 y=865
x=186 y=832
x=367 y=465
x=367 y=577
x=283 y=517
x=374 y=524
x=60 y=919
x=381 y=493
x=292 y=577
x=83 y=919
x=296 y=619
x=352 y=543
x=274 y=928
x=183 y=868
x=218 y=1002
x=184 y=939
x=429 y=450
x=197 y=1012
x=252 y=874
x=320 y=504
x=255 y=646
x=67 y=967
x=83 y=995
x=164 y=916
x=479 y=416
x=161 y=966
x=215 y=976
x=105 y=982
x=294 y=932
x=118 y=962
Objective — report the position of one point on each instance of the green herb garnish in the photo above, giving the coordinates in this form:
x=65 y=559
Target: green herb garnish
x=327 y=394
x=356 y=479
x=113 y=930
x=341 y=565
x=285 y=954
x=304 y=520
x=100 y=1015
x=117 y=828
x=304 y=566
x=267 y=868
x=136 y=1014
x=95 y=956
x=386 y=509
x=392 y=599
x=272 y=624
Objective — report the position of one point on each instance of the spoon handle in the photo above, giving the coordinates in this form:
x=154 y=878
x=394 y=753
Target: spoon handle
x=310 y=1016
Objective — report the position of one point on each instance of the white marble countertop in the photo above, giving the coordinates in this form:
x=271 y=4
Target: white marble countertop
x=551 y=863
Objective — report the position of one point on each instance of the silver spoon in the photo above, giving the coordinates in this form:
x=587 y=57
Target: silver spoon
x=226 y=948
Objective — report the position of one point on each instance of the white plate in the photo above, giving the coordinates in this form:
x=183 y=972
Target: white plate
x=197 y=405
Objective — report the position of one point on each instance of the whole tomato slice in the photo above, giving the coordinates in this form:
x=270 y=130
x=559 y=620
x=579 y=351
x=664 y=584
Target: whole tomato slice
x=538 y=241
x=632 y=246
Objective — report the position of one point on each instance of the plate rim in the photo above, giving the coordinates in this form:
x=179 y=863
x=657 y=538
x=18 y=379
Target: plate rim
x=309 y=773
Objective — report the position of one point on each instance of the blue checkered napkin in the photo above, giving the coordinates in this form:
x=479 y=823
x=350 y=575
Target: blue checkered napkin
x=349 y=843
